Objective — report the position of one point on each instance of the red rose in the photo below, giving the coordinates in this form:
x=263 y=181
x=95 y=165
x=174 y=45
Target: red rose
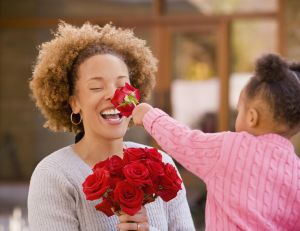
x=101 y=164
x=129 y=197
x=96 y=184
x=126 y=110
x=148 y=198
x=172 y=174
x=105 y=207
x=156 y=170
x=153 y=154
x=113 y=180
x=134 y=154
x=115 y=166
x=137 y=174
x=170 y=183
x=125 y=99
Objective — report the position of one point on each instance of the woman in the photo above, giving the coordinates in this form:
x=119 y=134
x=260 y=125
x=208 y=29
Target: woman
x=73 y=82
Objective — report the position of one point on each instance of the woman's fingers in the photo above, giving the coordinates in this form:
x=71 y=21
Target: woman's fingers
x=140 y=216
x=137 y=222
x=133 y=226
x=136 y=218
x=128 y=226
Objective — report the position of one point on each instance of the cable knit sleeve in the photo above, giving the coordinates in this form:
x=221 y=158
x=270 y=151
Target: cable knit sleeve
x=197 y=151
x=51 y=202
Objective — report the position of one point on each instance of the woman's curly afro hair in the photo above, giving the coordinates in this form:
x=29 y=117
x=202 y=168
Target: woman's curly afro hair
x=50 y=85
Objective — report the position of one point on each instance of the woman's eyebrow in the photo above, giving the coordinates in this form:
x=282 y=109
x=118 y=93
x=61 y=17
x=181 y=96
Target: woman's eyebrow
x=95 y=78
x=122 y=77
x=101 y=78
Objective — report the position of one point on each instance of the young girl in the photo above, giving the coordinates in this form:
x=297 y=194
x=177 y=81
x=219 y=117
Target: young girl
x=252 y=175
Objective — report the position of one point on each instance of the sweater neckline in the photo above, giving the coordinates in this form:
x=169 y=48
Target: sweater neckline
x=77 y=156
x=277 y=139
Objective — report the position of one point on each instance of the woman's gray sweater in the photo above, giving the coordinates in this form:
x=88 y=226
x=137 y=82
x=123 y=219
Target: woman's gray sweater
x=56 y=201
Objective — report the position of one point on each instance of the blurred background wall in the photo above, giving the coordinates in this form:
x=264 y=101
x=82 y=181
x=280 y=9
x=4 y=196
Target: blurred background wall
x=206 y=51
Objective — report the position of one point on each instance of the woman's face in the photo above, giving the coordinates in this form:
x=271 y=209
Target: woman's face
x=98 y=78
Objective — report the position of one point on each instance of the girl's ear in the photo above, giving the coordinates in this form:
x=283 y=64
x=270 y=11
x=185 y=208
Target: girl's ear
x=252 y=117
x=74 y=104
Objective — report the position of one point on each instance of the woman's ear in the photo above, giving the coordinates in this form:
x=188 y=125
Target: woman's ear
x=74 y=104
x=252 y=117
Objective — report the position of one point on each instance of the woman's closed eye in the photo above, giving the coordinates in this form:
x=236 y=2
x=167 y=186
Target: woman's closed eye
x=96 y=88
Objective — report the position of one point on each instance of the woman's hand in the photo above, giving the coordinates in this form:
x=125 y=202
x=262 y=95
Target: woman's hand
x=137 y=222
x=139 y=112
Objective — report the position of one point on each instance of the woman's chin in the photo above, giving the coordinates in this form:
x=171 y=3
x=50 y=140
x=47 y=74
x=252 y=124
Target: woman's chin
x=112 y=128
x=114 y=135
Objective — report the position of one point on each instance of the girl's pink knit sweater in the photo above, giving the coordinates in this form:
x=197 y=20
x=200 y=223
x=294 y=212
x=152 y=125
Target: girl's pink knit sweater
x=253 y=182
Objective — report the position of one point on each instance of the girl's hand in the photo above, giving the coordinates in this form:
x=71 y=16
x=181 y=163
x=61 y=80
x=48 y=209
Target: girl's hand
x=137 y=222
x=139 y=112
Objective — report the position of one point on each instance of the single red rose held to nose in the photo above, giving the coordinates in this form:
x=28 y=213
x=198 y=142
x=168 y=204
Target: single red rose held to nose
x=129 y=196
x=125 y=99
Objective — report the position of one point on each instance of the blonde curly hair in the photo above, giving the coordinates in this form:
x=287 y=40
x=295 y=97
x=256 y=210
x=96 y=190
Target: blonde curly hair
x=51 y=85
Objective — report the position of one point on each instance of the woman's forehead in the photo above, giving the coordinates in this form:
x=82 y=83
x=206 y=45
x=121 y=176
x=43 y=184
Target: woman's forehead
x=101 y=67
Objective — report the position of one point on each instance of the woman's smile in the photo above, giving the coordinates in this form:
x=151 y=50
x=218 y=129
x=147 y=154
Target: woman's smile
x=112 y=116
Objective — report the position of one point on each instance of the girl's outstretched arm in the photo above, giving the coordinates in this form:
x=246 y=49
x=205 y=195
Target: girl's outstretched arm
x=195 y=150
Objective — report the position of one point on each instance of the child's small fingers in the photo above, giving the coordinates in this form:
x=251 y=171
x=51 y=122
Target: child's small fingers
x=136 y=120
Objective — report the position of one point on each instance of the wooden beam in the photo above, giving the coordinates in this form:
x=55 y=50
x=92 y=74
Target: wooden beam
x=149 y=21
x=159 y=7
x=281 y=27
x=223 y=64
x=162 y=51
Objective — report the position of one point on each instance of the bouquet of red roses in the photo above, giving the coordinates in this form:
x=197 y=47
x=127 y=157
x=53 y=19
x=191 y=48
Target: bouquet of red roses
x=127 y=184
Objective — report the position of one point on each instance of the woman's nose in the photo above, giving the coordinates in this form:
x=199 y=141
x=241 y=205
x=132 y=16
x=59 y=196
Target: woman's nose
x=110 y=91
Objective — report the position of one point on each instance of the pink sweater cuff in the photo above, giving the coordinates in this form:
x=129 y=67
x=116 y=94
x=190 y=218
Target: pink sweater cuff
x=150 y=118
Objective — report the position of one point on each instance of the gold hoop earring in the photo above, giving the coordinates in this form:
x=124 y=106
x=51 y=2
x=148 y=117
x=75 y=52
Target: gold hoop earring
x=72 y=120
